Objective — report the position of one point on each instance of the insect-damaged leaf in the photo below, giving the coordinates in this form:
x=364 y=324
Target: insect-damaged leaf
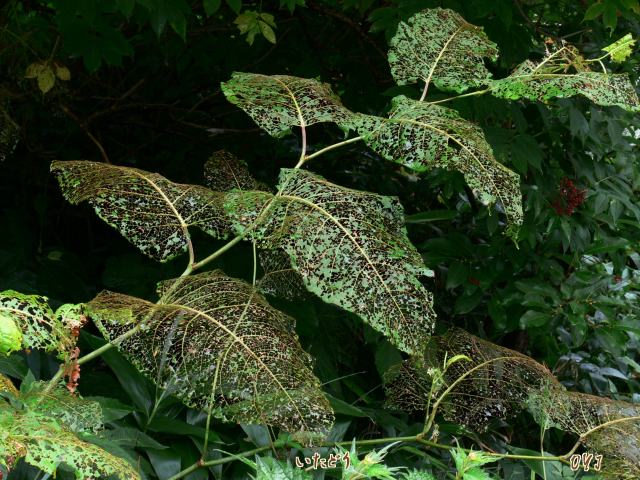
x=496 y=390
x=150 y=211
x=439 y=46
x=580 y=413
x=37 y=325
x=224 y=171
x=278 y=102
x=45 y=443
x=421 y=136
x=498 y=383
x=350 y=247
x=280 y=279
x=212 y=338
x=566 y=74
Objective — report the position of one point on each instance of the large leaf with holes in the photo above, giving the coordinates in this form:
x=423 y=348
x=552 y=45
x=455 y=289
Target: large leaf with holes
x=494 y=383
x=150 y=211
x=608 y=427
x=27 y=321
x=224 y=171
x=213 y=340
x=421 y=136
x=45 y=444
x=439 y=46
x=543 y=82
x=278 y=102
x=350 y=247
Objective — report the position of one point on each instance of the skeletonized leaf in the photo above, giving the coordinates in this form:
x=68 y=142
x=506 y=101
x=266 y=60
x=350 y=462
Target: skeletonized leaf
x=548 y=79
x=350 y=247
x=494 y=384
x=212 y=338
x=280 y=279
x=438 y=45
x=579 y=413
x=278 y=102
x=45 y=443
x=421 y=136
x=40 y=327
x=224 y=171
x=147 y=209
x=497 y=383
x=77 y=414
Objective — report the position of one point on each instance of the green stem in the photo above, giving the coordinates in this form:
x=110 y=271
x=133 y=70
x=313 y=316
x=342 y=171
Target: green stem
x=88 y=357
x=331 y=147
x=221 y=461
x=471 y=94
x=374 y=441
x=219 y=252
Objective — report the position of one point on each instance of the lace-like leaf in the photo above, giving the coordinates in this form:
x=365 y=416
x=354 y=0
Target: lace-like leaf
x=45 y=443
x=499 y=389
x=150 y=211
x=350 y=247
x=224 y=171
x=278 y=102
x=439 y=45
x=77 y=414
x=422 y=136
x=214 y=338
x=589 y=415
x=499 y=383
x=40 y=327
x=280 y=279
x=542 y=82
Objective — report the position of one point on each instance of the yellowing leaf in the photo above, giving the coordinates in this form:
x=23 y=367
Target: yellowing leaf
x=63 y=73
x=46 y=444
x=46 y=79
x=34 y=70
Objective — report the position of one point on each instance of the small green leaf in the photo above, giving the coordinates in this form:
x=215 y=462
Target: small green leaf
x=235 y=5
x=267 y=31
x=621 y=49
x=594 y=11
x=211 y=6
x=533 y=318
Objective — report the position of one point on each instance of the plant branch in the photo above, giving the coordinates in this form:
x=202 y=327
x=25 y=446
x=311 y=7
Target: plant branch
x=332 y=147
x=470 y=94
x=374 y=441
x=83 y=126
x=90 y=356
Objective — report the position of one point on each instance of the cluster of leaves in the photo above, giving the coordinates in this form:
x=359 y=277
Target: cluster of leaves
x=350 y=248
